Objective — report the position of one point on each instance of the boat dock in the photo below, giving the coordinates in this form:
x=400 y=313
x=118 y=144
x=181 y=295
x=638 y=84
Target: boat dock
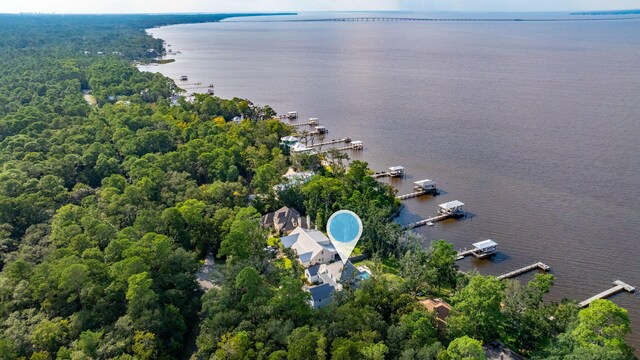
x=197 y=87
x=411 y=195
x=320 y=130
x=311 y=122
x=331 y=142
x=354 y=145
x=429 y=220
x=447 y=210
x=394 y=171
x=421 y=187
x=480 y=250
x=290 y=115
x=522 y=270
x=618 y=286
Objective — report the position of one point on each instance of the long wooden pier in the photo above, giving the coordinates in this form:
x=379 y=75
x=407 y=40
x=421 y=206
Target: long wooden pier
x=308 y=123
x=353 y=146
x=411 y=195
x=380 y=174
x=429 y=220
x=197 y=87
x=331 y=142
x=618 y=286
x=464 y=253
x=522 y=270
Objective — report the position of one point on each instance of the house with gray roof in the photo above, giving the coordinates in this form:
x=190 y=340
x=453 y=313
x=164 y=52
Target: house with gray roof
x=322 y=264
x=335 y=275
x=311 y=246
x=284 y=220
x=320 y=295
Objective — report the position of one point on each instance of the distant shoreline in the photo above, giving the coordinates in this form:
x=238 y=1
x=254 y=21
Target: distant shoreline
x=608 y=12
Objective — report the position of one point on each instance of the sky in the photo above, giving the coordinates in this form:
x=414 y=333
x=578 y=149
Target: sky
x=219 y=6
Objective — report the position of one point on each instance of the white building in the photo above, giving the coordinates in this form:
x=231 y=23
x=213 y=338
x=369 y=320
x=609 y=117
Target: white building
x=311 y=246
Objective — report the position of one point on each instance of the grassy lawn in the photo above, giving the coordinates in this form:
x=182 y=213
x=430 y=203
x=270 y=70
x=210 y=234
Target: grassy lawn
x=389 y=268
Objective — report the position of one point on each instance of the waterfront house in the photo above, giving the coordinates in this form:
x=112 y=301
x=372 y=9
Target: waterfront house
x=322 y=264
x=299 y=148
x=289 y=140
x=293 y=178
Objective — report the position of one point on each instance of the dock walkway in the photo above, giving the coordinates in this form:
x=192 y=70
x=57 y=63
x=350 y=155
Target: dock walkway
x=308 y=123
x=331 y=142
x=526 y=269
x=381 y=174
x=352 y=146
x=411 y=195
x=464 y=253
x=431 y=219
x=618 y=286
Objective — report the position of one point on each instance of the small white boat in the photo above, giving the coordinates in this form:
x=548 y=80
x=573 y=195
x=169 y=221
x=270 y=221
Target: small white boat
x=430 y=223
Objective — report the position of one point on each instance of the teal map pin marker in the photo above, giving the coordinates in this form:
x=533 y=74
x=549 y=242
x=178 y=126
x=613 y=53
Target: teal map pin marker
x=344 y=228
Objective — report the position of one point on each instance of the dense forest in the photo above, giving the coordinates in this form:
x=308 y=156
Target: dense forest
x=108 y=209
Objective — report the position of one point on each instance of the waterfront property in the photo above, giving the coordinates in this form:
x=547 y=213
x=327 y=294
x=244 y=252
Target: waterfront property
x=322 y=265
x=299 y=148
x=293 y=178
x=289 y=140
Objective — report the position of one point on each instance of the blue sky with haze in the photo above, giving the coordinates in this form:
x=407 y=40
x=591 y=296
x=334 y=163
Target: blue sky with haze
x=145 y=6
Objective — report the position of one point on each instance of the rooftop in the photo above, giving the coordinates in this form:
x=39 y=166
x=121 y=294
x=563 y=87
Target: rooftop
x=451 y=205
x=425 y=183
x=321 y=291
x=485 y=244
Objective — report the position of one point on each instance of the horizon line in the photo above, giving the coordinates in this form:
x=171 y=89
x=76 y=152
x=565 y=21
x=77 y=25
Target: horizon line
x=297 y=12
